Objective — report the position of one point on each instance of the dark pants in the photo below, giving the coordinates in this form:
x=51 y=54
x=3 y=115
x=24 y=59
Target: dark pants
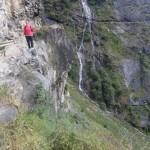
x=29 y=41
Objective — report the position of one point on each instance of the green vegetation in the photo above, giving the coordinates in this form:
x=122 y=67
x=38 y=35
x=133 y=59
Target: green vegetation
x=3 y=90
x=2 y=48
x=74 y=72
x=59 y=10
x=145 y=65
x=43 y=102
x=4 y=95
x=104 y=86
x=104 y=13
x=86 y=127
x=102 y=83
x=120 y=130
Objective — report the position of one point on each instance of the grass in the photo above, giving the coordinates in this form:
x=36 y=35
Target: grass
x=86 y=127
x=104 y=12
x=122 y=132
x=6 y=98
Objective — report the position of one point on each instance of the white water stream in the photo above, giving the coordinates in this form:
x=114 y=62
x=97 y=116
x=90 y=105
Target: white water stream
x=87 y=11
x=80 y=51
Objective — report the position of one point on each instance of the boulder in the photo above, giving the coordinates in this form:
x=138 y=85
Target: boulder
x=7 y=113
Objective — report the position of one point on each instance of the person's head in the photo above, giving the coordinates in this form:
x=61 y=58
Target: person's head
x=27 y=22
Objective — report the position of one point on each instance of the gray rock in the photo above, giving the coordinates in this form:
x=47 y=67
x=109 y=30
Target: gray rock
x=146 y=50
x=7 y=113
x=130 y=68
x=33 y=52
x=24 y=70
x=4 y=69
x=135 y=10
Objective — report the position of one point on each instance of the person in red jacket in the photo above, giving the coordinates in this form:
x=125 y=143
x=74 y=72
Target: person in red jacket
x=28 y=32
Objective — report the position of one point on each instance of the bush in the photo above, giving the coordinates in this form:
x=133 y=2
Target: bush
x=102 y=105
x=108 y=93
x=43 y=102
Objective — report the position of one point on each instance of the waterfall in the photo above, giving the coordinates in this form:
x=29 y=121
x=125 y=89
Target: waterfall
x=88 y=15
x=80 y=51
x=87 y=11
x=81 y=59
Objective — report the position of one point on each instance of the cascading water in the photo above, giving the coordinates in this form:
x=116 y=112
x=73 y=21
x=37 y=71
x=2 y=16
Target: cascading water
x=80 y=51
x=81 y=59
x=87 y=11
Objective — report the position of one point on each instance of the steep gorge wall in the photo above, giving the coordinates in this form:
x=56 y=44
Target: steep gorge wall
x=118 y=76
x=135 y=10
x=138 y=41
x=22 y=71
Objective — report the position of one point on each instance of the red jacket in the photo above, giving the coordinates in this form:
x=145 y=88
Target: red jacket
x=28 y=30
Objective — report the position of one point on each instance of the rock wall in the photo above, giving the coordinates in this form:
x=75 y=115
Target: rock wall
x=135 y=36
x=135 y=10
x=21 y=70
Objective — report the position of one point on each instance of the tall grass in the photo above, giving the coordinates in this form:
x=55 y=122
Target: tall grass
x=86 y=127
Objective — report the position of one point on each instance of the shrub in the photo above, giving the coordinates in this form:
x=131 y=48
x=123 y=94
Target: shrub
x=43 y=102
x=108 y=93
x=102 y=105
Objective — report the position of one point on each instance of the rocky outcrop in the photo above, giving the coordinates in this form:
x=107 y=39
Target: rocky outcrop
x=134 y=33
x=21 y=70
x=7 y=113
x=135 y=10
x=131 y=69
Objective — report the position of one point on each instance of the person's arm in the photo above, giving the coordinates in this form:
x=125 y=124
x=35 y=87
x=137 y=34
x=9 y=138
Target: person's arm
x=32 y=29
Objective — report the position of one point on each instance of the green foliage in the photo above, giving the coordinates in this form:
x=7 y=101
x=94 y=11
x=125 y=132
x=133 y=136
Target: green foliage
x=145 y=65
x=93 y=74
x=39 y=34
x=4 y=95
x=121 y=130
x=94 y=2
x=70 y=31
x=108 y=92
x=108 y=62
x=87 y=36
x=74 y=72
x=58 y=10
x=43 y=102
x=3 y=90
x=2 y=48
x=85 y=128
x=104 y=10
x=133 y=114
x=147 y=128
x=117 y=82
x=105 y=85
x=102 y=105
x=139 y=93
x=111 y=41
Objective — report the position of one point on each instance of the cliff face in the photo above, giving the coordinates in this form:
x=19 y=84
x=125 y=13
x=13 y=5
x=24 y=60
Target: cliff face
x=111 y=39
x=21 y=70
x=136 y=25
x=111 y=43
x=136 y=10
